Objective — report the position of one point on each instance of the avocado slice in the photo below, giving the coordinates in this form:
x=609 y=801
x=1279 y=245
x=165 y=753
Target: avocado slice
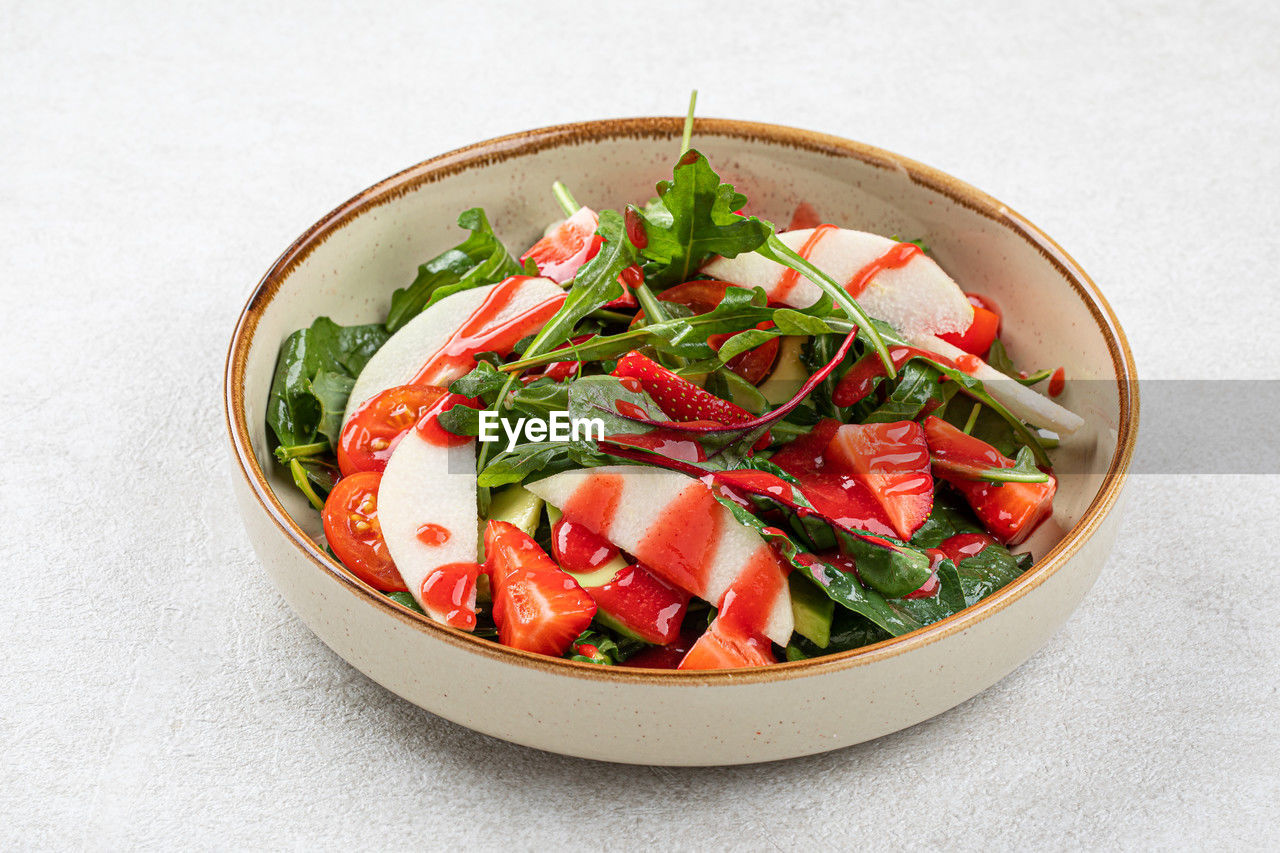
x=812 y=610
x=789 y=372
x=514 y=504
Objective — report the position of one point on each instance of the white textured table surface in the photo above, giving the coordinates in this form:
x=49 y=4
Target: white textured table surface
x=157 y=692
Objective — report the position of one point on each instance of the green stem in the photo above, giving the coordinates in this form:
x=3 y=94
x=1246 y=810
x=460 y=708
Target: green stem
x=1035 y=378
x=783 y=429
x=990 y=475
x=687 y=137
x=973 y=418
x=568 y=203
x=611 y=316
x=287 y=454
x=654 y=312
x=304 y=484
x=775 y=250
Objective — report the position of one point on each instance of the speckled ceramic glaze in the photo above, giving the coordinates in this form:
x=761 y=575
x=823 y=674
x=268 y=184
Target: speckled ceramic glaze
x=346 y=267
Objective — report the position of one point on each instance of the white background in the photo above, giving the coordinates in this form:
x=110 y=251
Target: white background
x=156 y=691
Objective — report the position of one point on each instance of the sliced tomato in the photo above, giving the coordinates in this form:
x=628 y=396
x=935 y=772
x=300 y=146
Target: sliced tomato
x=721 y=647
x=536 y=606
x=1010 y=511
x=833 y=493
x=350 y=519
x=977 y=339
x=893 y=460
x=566 y=247
x=378 y=425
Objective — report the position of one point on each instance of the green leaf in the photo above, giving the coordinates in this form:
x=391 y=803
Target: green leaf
x=595 y=284
x=987 y=571
x=313 y=379
x=792 y=322
x=918 y=384
x=528 y=462
x=849 y=630
x=480 y=259
x=693 y=218
x=611 y=649
x=748 y=340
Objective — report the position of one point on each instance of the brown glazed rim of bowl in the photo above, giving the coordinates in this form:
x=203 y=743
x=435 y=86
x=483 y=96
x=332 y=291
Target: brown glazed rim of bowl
x=496 y=150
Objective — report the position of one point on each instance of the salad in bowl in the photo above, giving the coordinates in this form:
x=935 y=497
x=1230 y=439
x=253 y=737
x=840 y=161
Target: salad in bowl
x=674 y=436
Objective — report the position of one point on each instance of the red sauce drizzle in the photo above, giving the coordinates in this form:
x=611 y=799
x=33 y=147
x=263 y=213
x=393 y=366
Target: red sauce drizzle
x=681 y=545
x=594 y=503
x=1057 y=382
x=962 y=546
x=433 y=534
x=754 y=592
x=630 y=410
x=448 y=594
x=968 y=363
x=790 y=278
x=429 y=427
x=481 y=333
x=860 y=380
x=898 y=256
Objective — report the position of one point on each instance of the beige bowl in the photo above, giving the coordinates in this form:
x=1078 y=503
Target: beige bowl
x=346 y=266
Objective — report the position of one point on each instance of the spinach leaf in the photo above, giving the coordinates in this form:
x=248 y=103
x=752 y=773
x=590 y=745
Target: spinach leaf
x=987 y=571
x=693 y=218
x=600 y=645
x=480 y=259
x=528 y=462
x=849 y=630
x=313 y=380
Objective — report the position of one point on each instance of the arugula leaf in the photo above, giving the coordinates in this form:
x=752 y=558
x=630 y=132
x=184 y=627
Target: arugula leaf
x=313 y=380
x=480 y=259
x=918 y=384
x=693 y=218
x=528 y=462
x=595 y=284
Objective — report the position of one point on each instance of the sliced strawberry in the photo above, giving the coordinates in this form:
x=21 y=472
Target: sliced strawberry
x=1009 y=510
x=536 y=606
x=579 y=550
x=678 y=398
x=722 y=647
x=893 y=460
x=833 y=493
x=567 y=247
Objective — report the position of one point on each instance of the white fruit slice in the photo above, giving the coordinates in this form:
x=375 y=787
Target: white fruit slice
x=428 y=483
x=1026 y=403
x=916 y=298
x=405 y=353
x=714 y=554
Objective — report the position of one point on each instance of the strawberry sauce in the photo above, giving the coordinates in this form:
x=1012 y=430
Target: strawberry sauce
x=595 y=502
x=899 y=256
x=753 y=594
x=448 y=593
x=790 y=278
x=482 y=333
x=681 y=545
x=433 y=534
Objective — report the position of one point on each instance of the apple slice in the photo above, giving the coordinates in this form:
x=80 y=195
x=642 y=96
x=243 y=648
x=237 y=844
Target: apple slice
x=1026 y=403
x=427 y=508
x=673 y=525
x=404 y=354
x=915 y=298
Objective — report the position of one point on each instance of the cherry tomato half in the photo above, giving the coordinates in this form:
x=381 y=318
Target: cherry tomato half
x=378 y=425
x=567 y=247
x=350 y=519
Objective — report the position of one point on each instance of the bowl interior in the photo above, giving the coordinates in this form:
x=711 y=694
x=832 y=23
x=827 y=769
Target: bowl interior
x=347 y=266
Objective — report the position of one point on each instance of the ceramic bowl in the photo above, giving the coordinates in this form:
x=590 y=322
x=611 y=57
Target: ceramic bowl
x=347 y=264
